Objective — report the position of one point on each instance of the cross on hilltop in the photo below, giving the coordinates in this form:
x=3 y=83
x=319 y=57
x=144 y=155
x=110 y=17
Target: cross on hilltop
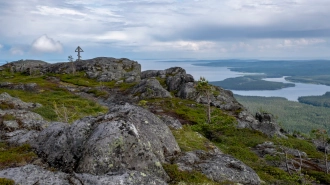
x=79 y=50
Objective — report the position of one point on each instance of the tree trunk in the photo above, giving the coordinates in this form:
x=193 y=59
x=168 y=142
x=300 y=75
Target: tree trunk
x=326 y=160
x=208 y=108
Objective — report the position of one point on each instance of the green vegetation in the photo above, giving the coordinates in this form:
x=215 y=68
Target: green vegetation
x=49 y=93
x=205 y=89
x=4 y=181
x=320 y=101
x=250 y=83
x=190 y=140
x=293 y=116
x=222 y=132
x=15 y=156
x=182 y=177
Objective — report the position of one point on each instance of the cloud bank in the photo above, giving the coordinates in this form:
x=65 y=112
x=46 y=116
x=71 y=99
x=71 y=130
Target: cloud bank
x=170 y=28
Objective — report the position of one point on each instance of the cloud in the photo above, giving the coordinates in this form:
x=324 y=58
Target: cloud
x=1 y=46
x=45 y=44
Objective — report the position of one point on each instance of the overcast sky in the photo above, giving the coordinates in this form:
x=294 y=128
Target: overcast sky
x=165 y=29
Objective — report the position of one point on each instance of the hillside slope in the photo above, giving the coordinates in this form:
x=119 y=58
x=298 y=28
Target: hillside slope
x=154 y=131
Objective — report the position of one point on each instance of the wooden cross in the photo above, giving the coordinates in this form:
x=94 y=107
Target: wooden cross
x=79 y=50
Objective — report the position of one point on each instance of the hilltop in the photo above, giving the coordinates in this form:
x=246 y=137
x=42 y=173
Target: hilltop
x=104 y=121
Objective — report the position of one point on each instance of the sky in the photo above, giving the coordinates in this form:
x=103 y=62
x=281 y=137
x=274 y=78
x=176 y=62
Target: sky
x=165 y=29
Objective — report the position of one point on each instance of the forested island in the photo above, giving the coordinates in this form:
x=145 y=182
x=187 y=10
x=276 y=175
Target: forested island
x=250 y=83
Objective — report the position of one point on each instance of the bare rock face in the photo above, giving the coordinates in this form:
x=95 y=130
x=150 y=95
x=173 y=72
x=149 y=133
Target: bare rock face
x=127 y=138
x=102 y=69
x=218 y=167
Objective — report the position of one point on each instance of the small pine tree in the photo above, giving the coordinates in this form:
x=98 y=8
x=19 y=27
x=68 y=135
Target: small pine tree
x=70 y=58
x=323 y=136
x=205 y=89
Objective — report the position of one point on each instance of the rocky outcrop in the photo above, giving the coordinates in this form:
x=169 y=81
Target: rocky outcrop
x=26 y=66
x=150 y=88
x=102 y=69
x=262 y=122
x=218 y=167
x=127 y=138
x=18 y=125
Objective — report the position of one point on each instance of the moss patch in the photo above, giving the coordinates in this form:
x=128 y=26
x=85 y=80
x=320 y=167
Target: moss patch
x=184 y=177
x=15 y=156
x=190 y=140
x=4 y=181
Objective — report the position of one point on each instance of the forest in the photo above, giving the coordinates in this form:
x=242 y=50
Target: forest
x=320 y=101
x=292 y=116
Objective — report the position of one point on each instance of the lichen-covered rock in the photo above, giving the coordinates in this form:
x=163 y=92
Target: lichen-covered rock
x=31 y=175
x=127 y=138
x=218 y=167
x=150 y=88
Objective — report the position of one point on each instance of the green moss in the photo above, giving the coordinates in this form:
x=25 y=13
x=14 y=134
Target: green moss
x=98 y=93
x=8 y=117
x=77 y=107
x=12 y=156
x=190 y=140
x=4 y=181
x=182 y=177
x=5 y=106
x=320 y=176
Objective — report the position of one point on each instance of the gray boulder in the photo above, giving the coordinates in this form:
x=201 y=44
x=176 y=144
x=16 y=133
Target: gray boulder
x=150 y=88
x=218 y=167
x=127 y=138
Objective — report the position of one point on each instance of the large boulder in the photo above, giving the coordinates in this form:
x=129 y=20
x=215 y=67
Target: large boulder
x=127 y=138
x=150 y=88
x=218 y=167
